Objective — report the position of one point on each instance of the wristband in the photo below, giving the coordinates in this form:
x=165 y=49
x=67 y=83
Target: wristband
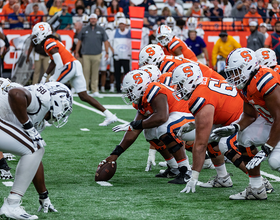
x=27 y=125
x=267 y=149
x=136 y=124
x=45 y=75
x=118 y=150
x=43 y=195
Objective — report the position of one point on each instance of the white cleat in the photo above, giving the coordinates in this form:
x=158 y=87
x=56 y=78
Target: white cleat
x=9 y=156
x=6 y=174
x=15 y=211
x=218 y=182
x=251 y=194
x=269 y=188
x=109 y=120
x=208 y=164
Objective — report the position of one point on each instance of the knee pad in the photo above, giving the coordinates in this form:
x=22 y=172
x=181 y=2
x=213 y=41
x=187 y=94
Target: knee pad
x=189 y=147
x=167 y=139
x=157 y=144
x=212 y=153
x=175 y=148
x=247 y=150
x=230 y=154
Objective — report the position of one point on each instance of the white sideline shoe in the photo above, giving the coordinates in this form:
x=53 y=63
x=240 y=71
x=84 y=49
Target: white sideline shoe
x=15 y=211
x=5 y=174
x=109 y=120
x=251 y=194
x=218 y=182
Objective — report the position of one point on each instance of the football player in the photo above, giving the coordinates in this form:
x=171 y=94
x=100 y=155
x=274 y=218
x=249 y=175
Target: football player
x=267 y=57
x=23 y=112
x=160 y=115
x=259 y=125
x=67 y=67
x=192 y=26
x=173 y=45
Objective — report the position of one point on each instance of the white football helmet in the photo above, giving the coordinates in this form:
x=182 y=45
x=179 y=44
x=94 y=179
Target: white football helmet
x=164 y=35
x=61 y=103
x=192 y=23
x=119 y=15
x=102 y=21
x=152 y=70
x=134 y=85
x=40 y=32
x=170 y=22
x=187 y=77
x=127 y=22
x=266 y=57
x=240 y=63
x=151 y=54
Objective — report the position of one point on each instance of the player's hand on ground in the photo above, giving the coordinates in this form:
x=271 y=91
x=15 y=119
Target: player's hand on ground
x=151 y=159
x=46 y=205
x=190 y=186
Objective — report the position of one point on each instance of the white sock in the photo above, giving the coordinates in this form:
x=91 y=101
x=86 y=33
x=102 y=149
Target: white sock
x=172 y=163
x=185 y=163
x=107 y=113
x=13 y=199
x=256 y=181
x=221 y=170
x=112 y=85
x=102 y=88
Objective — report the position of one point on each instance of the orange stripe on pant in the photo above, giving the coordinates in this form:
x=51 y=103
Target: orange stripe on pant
x=65 y=71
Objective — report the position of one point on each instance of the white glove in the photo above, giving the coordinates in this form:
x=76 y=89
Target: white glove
x=122 y=127
x=151 y=159
x=186 y=128
x=256 y=160
x=225 y=131
x=52 y=79
x=46 y=205
x=36 y=137
x=44 y=78
x=192 y=182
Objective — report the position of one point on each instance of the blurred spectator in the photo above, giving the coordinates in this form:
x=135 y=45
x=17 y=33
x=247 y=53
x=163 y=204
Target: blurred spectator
x=224 y=45
x=226 y=7
x=42 y=7
x=216 y=13
x=252 y=15
x=151 y=17
x=263 y=29
x=274 y=11
x=77 y=28
x=98 y=12
x=79 y=15
x=147 y=4
x=90 y=39
x=123 y=3
x=16 y=19
x=256 y=39
x=78 y=3
x=273 y=41
x=205 y=4
x=66 y=18
x=195 y=10
x=198 y=46
x=23 y=5
x=112 y=10
x=183 y=31
x=240 y=8
x=152 y=37
x=36 y=16
x=262 y=11
x=99 y=4
x=175 y=8
x=192 y=25
x=57 y=6
x=70 y=4
x=8 y=8
x=171 y=22
x=122 y=51
x=164 y=14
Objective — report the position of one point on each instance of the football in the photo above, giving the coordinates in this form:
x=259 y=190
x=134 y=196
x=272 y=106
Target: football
x=106 y=171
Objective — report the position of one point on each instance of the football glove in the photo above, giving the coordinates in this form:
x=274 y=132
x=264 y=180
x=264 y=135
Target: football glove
x=46 y=205
x=122 y=127
x=260 y=156
x=151 y=159
x=186 y=128
x=35 y=136
x=191 y=183
x=225 y=131
x=44 y=78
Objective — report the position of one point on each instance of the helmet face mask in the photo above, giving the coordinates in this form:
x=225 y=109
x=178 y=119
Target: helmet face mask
x=40 y=32
x=164 y=35
x=192 y=23
x=134 y=85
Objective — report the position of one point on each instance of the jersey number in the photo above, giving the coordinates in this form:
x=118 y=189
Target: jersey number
x=42 y=90
x=222 y=87
x=264 y=113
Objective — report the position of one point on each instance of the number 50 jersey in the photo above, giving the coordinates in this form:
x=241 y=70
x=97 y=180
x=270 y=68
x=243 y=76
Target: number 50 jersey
x=225 y=99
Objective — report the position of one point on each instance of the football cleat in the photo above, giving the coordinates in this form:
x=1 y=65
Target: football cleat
x=168 y=173
x=9 y=156
x=208 y=164
x=218 y=182
x=15 y=211
x=109 y=120
x=182 y=177
x=269 y=188
x=6 y=174
x=251 y=194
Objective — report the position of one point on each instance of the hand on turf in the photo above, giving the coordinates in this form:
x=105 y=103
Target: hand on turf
x=256 y=160
x=122 y=127
x=46 y=205
x=190 y=186
x=186 y=128
x=151 y=159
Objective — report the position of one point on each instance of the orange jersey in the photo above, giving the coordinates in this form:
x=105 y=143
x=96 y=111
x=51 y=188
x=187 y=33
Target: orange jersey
x=152 y=91
x=228 y=104
x=174 y=44
x=169 y=63
x=66 y=56
x=277 y=69
x=165 y=78
x=263 y=83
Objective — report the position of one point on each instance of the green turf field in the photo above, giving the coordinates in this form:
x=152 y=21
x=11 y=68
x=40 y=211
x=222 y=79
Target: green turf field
x=71 y=159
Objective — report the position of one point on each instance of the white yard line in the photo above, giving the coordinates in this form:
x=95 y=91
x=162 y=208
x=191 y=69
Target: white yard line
x=276 y=178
